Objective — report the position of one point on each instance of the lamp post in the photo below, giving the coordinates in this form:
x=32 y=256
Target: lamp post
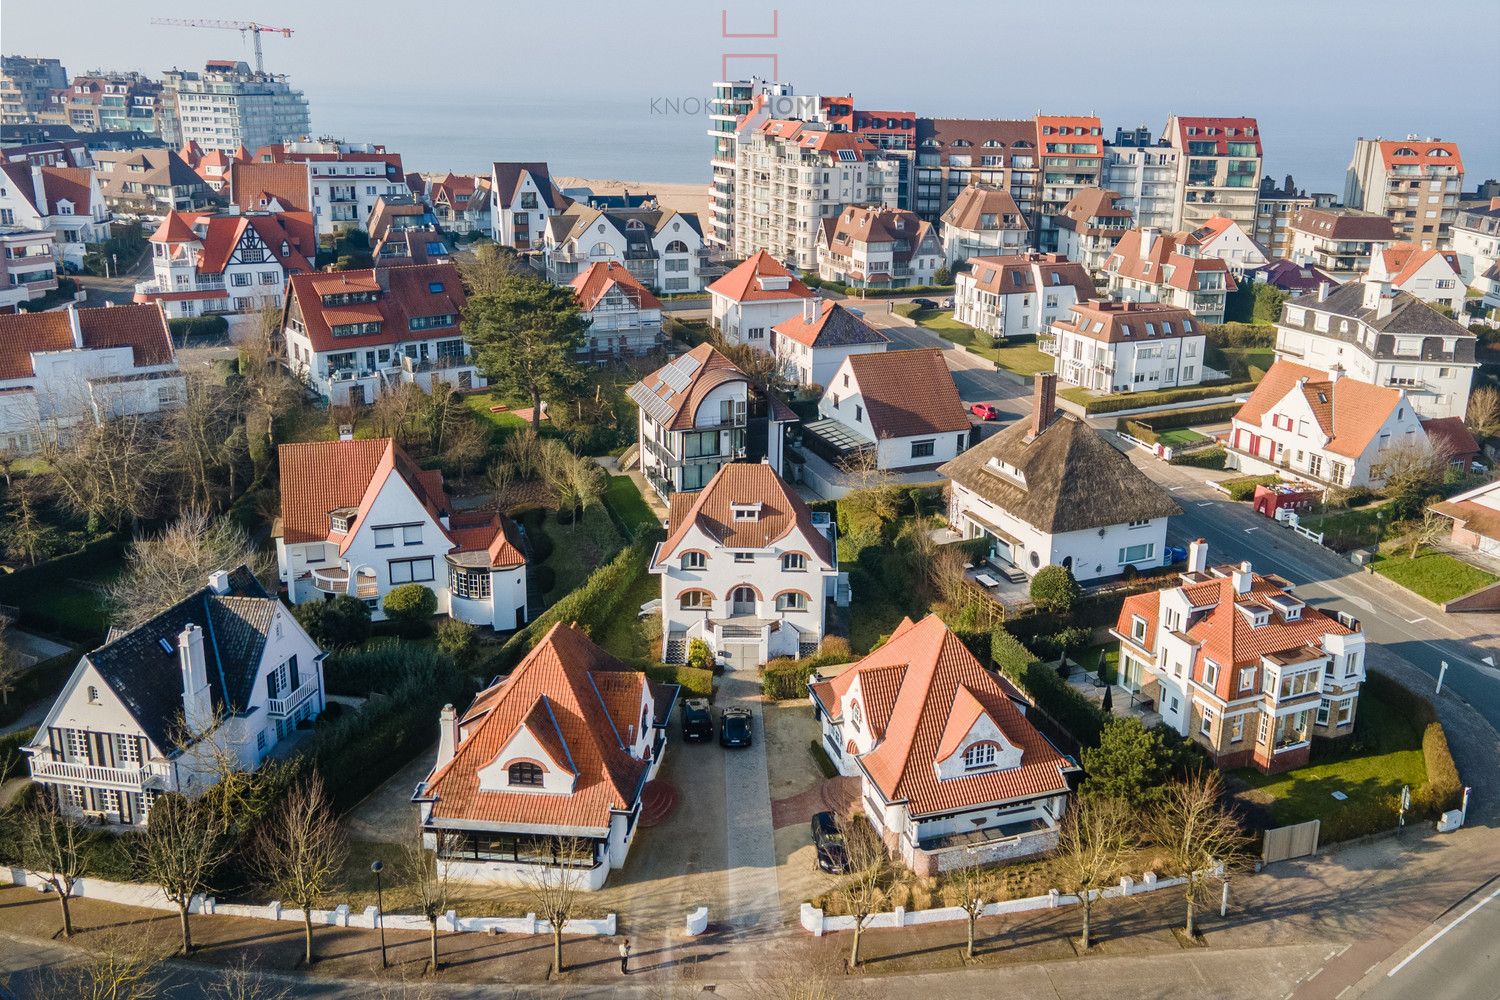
x=377 y=866
x=1379 y=529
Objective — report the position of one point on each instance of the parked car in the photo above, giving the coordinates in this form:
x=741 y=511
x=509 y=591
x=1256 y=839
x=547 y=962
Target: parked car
x=697 y=722
x=924 y=303
x=948 y=302
x=828 y=842
x=985 y=411
x=734 y=727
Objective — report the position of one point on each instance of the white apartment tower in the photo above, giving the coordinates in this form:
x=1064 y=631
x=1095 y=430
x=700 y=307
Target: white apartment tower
x=229 y=105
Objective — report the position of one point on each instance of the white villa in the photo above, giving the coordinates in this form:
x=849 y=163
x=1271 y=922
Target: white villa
x=66 y=201
x=523 y=198
x=663 y=249
x=813 y=345
x=359 y=518
x=624 y=317
x=746 y=304
x=983 y=221
x=205 y=263
x=878 y=247
x=951 y=771
x=69 y=367
x=1113 y=346
x=546 y=768
x=1430 y=275
x=903 y=405
x=352 y=335
x=1020 y=295
x=228 y=666
x=747 y=568
x=1050 y=491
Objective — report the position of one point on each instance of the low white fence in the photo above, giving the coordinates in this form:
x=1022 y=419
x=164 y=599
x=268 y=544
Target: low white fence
x=816 y=923
x=150 y=898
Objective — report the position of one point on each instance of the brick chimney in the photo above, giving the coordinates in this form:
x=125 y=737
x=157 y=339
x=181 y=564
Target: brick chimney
x=1044 y=402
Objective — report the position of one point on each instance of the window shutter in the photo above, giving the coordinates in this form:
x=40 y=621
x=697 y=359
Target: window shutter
x=55 y=742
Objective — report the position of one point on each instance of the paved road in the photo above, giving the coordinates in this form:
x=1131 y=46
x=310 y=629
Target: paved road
x=1458 y=960
x=754 y=895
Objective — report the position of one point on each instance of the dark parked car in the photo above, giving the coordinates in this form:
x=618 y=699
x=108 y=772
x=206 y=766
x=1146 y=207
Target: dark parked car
x=924 y=303
x=734 y=727
x=697 y=723
x=828 y=841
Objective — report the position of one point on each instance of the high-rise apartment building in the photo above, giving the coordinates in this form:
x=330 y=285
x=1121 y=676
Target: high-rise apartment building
x=1142 y=170
x=105 y=102
x=1218 y=169
x=732 y=100
x=25 y=85
x=952 y=153
x=229 y=105
x=1413 y=182
x=1273 y=215
x=1071 y=148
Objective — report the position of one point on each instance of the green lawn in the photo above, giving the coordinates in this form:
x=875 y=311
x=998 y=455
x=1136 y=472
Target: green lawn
x=501 y=423
x=1343 y=530
x=623 y=636
x=1239 y=360
x=624 y=498
x=70 y=601
x=1023 y=358
x=579 y=549
x=1436 y=576
x=1180 y=437
x=1371 y=779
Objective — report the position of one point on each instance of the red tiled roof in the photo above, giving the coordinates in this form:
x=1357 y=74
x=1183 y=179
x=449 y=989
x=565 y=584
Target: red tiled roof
x=1349 y=411
x=742 y=284
x=908 y=393
x=1019 y=274
x=684 y=396
x=926 y=676
x=1083 y=130
x=404 y=292
x=1118 y=322
x=252 y=185
x=1417 y=153
x=1218 y=131
x=595 y=283
x=581 y=704
x=1227 y=637
x=1153 y=266
x=1450 y=434
x=1146 y=607
x=711 y=511
x=978 y=200
x=1404 y=260
x=142 y=328
x=859 y=224
x=1092 y=203
x=222 y=234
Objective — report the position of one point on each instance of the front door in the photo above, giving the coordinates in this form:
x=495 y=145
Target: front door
x=357 y=395
x=742 y=602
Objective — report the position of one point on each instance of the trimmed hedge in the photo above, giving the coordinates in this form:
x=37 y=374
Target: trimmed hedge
x=197 y=326
x=1242 y=488
x=1078 y=716
x=1444 y=788
x=1163 y=397
x=813 y=281
x=27 y=589
x=1148 y=426
x=1205 y=458
x=42 y=681
x=695 y=683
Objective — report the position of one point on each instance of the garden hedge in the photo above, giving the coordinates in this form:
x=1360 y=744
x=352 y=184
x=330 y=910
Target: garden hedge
x=1444 y=788
x=22 y=588
x=1164 y=397
x=1148 y=426
x=204 y=327
x=1078 y=716
x=44 y=680
x=1205 y=458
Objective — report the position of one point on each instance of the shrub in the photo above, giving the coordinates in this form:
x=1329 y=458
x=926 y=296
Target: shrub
x=200 y=327
x=1139 y=400
x=545 y=578
x=457 y=640
x=1067 y=640
x=1243 y=487
x=336 y=624
x=1206 y=458
x=835 y=648
x=700 y=655
x=1078 y=716
x=1054 y=589
x=695 y=683
x=1352 y=496
x=1257 y=334
x=410 y=602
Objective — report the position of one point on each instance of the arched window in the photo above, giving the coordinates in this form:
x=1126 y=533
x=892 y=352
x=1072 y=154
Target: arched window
x=792 y=600
x=525 y=773
x=696 y=600
x=634 y=224
x=677 y=246
x=856 y=717
x=602 y=249
x=742 y=601
x=694 y=560
x=979 y=755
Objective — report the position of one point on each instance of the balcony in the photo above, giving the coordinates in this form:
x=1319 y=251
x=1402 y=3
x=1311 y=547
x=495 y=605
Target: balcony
x=442 y=362
x=335 y=580
x=280 y=708
x=133 y=778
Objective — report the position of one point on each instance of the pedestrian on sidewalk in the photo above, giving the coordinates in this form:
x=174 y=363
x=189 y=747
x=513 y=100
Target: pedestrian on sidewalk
x=625 y=957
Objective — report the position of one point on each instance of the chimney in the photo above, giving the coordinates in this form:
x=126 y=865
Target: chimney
x=197 y=703
x=447 y=735
x=1375 y=290
x=1197 y=561
x=346 y=432
x=810 y=308
x=1044 y=402
x=1148 y=237
x=1335 y=373
x=1241 y=578
x=73 y=326
x=1323 y=291
x=218 y=582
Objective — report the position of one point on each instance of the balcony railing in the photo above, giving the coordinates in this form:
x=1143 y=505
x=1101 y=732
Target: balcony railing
x=440 y=363
x=93 y=774
x=284 y=706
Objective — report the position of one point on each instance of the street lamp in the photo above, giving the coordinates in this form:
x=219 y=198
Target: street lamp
x=377 y=866
x=1379 y=528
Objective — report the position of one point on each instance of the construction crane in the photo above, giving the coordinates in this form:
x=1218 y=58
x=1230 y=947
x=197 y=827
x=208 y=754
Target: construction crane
x=253 y=27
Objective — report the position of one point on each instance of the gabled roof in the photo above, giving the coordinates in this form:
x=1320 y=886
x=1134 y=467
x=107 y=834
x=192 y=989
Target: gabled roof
x=926 y=676
x=221 y=235
x=402 y=293
x=711 y=511
x=833 y=326
x=71 y=184
x=860 y=224
x=1163 y=262
x=1073 y=479
x=1088 y=205
x=907 y=393
x=1349 y=412
x=745 y=283
x=672 y=394
x=1027 y=273
x=256 y=186
x=978 y=200
x=1344 y=224
x=142 y=328
x=601 y=276
x=1404 y=261
x=508 y=178
x=1115 y=322
x=148 y=679
x=583 y=705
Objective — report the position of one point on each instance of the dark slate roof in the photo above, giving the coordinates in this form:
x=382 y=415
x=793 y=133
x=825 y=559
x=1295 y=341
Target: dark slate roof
x=1409 y=317
x=148 y=679
x=508 y=180
x=1074 y=478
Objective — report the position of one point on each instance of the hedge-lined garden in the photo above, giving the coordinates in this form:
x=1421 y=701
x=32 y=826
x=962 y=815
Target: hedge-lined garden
x=1140 y=400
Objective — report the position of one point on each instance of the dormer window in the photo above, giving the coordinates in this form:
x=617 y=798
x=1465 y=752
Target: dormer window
x=341 y=520
x=745 y=511
x=694 y=560
x=979 y=756
x=524 y=774
x=856 y=717
x=1138 y=628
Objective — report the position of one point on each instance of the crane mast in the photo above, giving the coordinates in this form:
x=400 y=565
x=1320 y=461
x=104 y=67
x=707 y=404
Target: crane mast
x=255 y=28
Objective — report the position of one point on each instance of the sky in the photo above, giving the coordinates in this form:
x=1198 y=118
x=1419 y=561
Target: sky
x=1317 y=73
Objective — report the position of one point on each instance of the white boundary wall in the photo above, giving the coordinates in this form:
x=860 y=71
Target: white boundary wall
x=151 y=898
x=815 y=923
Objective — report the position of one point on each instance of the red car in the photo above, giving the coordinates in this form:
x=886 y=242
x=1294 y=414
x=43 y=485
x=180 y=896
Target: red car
x=985 y=411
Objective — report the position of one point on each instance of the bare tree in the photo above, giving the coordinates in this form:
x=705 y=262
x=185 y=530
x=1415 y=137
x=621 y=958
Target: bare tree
x=11 y=668
x=976 y=887
x=1092 y=847
x=161 y=570
x=107 y=473
x=204 y=444
x=399 y=413
x=553 y=889
x=488 y=269
x=501 y=479
x=863 y=888
x=123 y=965
x=54 y=850
x=1431 y=529
x=1483 y=415
x=1202 y=840
x=27 y=536
x=426 y=873
x=523 y=450
x=271 y=387
x=1409 y=471
x=184 y=844
x=587 y=482
x=245 y=982
x=299 y=849
x=467 y=445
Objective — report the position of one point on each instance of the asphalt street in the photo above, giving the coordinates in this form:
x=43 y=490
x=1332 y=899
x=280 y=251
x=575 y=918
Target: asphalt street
x=1457 y=960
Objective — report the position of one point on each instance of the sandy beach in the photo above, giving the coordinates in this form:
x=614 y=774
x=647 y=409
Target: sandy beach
x=681 y=197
